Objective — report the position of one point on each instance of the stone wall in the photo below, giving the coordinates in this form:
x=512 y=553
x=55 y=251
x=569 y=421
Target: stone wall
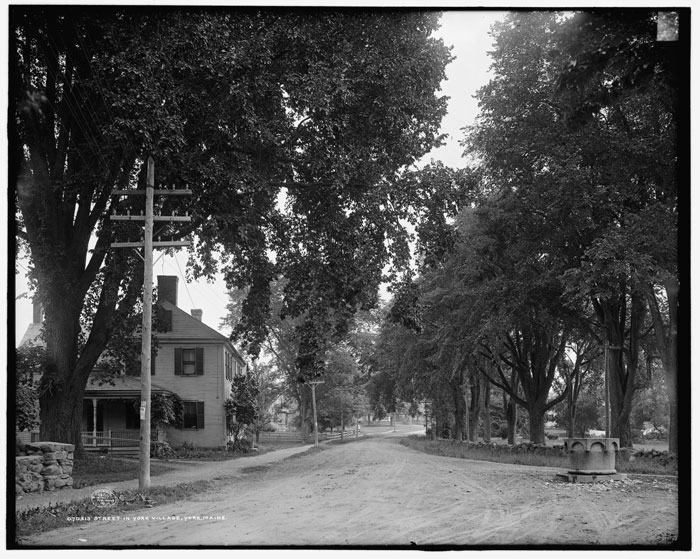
x=521 y=448
x=43 y=466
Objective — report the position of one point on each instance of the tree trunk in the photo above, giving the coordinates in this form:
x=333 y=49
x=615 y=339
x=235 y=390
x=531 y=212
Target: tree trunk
x=536 y=416
x=61 y=414
x=622 y=361
x=671 y=376
x=512 y=420
x=61 y=389
x=571 y=414
x=671 y=363
x=571 y=427
x=486 y=421
x=620 y=397
x=460 y=408
x=667 y=345
x=306 y=419
x=475 y=407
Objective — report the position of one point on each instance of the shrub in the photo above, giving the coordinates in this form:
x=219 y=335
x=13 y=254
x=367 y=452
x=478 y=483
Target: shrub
x=162 y=450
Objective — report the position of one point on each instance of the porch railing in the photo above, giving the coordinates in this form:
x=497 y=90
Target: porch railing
x=123 y=438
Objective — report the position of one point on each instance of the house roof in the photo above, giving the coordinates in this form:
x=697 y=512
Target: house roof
x=121 y=386
x=33 y=335
x=187 y=326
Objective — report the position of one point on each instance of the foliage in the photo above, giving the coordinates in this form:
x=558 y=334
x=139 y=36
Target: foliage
x=270 y=387
x=245 y=106
x=340 y=397
x=651 y=404
x=590 y=414
x=166 y=409
x=29 y=360
x=27 y=410
x=241 y=408
x=576 y=143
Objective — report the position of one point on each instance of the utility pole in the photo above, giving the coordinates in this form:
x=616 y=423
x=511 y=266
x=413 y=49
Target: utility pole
x=313 y=384
x=607 y=394
x=147 y=245
x=608 y=424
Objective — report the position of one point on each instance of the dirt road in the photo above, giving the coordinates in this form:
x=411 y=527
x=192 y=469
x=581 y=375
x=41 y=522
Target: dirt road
x=375 y=491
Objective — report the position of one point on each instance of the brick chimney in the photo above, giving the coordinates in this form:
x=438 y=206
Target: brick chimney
x=38 y=311
x=197 y=313
x=167 y=289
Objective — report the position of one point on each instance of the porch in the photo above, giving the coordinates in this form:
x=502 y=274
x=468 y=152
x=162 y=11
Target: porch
x=111 y=415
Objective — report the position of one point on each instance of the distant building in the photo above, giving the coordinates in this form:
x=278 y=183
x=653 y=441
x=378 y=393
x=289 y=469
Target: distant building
x=194 y=362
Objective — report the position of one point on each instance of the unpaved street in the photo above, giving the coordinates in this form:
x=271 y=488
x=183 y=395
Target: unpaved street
x=375 y=491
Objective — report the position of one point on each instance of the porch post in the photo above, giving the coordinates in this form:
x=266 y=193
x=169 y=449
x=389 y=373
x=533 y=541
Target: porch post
x=94 y=421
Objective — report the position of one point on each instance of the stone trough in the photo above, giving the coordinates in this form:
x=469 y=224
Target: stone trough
x=591 y=460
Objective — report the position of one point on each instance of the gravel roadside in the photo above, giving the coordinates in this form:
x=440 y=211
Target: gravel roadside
x=183 y=471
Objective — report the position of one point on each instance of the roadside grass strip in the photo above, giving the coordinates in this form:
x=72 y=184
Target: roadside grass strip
x=94 y=470
x=58 y=515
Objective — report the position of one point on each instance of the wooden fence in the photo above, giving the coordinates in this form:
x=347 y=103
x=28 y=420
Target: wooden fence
x=124 y=438
x=295 y=436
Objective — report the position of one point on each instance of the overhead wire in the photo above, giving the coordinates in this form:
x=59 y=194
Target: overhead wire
x=78 y=116
x=184 y=281
x=98 y=81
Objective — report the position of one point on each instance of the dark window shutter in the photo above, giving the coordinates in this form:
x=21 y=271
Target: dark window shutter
x=200 y=415
x=168 y=321
x=199 y=367
x=178 y=361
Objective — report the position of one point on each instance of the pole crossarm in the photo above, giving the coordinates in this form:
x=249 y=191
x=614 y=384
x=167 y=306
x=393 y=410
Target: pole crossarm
x=156 y=244
x=120 y=217
x=156 y=192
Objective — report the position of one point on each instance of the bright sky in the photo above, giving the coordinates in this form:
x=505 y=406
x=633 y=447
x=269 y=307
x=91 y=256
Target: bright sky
x=467 y=32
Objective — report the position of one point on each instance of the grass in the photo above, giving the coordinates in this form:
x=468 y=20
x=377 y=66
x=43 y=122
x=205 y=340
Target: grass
x=96 y=470
x=458 y=450
x=59 y=515
x=220 y=454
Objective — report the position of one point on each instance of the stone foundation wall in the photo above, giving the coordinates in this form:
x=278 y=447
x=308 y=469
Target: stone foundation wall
x=43 y=466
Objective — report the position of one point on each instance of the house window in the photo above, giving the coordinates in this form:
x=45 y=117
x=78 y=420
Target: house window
x=189 y=361
x=193 y=415
x=229 y=365
x=240 y=370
